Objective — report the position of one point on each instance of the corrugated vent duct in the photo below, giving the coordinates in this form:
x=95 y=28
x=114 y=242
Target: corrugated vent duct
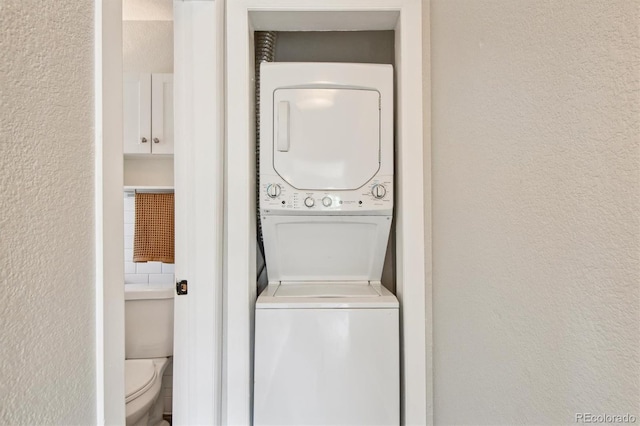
x=265 y=51
x=265 y=42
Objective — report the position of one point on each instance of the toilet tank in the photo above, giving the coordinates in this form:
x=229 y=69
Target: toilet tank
x=148 y=315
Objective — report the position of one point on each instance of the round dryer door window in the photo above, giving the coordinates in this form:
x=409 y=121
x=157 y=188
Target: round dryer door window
x=326 y=138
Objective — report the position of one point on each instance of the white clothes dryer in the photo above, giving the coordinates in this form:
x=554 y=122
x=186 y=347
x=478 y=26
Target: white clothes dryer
x=327 y=331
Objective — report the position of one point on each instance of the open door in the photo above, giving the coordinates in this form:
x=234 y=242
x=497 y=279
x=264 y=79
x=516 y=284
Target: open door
x=199 y=139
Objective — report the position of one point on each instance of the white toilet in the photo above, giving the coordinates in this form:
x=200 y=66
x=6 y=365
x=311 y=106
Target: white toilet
x=148 y=348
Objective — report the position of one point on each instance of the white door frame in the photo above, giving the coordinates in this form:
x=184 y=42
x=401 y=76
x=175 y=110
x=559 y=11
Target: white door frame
x=413 y=282
x=109 y=218
x=199 y=127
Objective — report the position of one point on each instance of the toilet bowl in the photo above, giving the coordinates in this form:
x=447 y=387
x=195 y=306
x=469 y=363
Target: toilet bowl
x=144 y=392
x=148 y=347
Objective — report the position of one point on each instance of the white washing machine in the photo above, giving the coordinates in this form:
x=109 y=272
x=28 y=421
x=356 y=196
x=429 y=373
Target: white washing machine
x=327 y=331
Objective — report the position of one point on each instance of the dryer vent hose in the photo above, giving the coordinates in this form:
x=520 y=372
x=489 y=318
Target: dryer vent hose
x=265 y=50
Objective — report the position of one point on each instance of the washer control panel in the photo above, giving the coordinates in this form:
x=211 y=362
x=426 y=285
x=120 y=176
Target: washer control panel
x=277 y=196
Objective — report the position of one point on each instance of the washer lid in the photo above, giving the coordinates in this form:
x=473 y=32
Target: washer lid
x=326 y=295
x=139 y=375
x=326 y=138
x=328 y=290
x=325 y=248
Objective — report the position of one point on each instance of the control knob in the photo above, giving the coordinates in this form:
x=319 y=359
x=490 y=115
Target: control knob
x=326 y=201
x=309 y=202
x=378 y=191
x=273 y=190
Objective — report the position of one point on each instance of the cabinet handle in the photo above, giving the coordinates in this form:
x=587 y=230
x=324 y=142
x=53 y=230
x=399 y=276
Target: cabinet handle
x=156 y=140
x=143 y=140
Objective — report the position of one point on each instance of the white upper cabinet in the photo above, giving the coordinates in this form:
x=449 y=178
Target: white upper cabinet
x=148 y=113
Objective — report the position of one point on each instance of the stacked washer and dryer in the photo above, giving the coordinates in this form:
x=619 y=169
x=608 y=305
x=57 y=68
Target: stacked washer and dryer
x=326 y=330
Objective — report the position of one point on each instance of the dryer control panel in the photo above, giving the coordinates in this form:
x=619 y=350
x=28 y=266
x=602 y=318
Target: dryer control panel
x=278 y=197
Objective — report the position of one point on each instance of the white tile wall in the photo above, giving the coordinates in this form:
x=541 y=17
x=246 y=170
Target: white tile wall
x=149 y=268
x=136 y=278
x=161 y=279
x=168 y=268
x=156 y=273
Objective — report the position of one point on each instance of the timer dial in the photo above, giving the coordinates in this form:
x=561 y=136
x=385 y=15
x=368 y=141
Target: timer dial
x=273 y=190
x=378 y=191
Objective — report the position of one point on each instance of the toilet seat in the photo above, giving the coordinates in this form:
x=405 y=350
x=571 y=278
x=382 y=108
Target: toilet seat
x=140 y=374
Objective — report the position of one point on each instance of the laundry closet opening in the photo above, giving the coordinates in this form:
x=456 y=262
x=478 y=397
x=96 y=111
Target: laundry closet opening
x=366 y=47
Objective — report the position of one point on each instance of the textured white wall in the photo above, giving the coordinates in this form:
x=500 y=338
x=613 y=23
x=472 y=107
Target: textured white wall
x=147 y=10
x=47 y=307
x=148 y=171
x=147 y=46
x=536 y=209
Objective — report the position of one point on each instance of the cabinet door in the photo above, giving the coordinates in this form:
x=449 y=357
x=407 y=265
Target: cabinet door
x=137 y=113
x=162 y=113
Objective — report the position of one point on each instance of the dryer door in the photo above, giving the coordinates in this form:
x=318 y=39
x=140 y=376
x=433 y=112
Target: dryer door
x=326 y=138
